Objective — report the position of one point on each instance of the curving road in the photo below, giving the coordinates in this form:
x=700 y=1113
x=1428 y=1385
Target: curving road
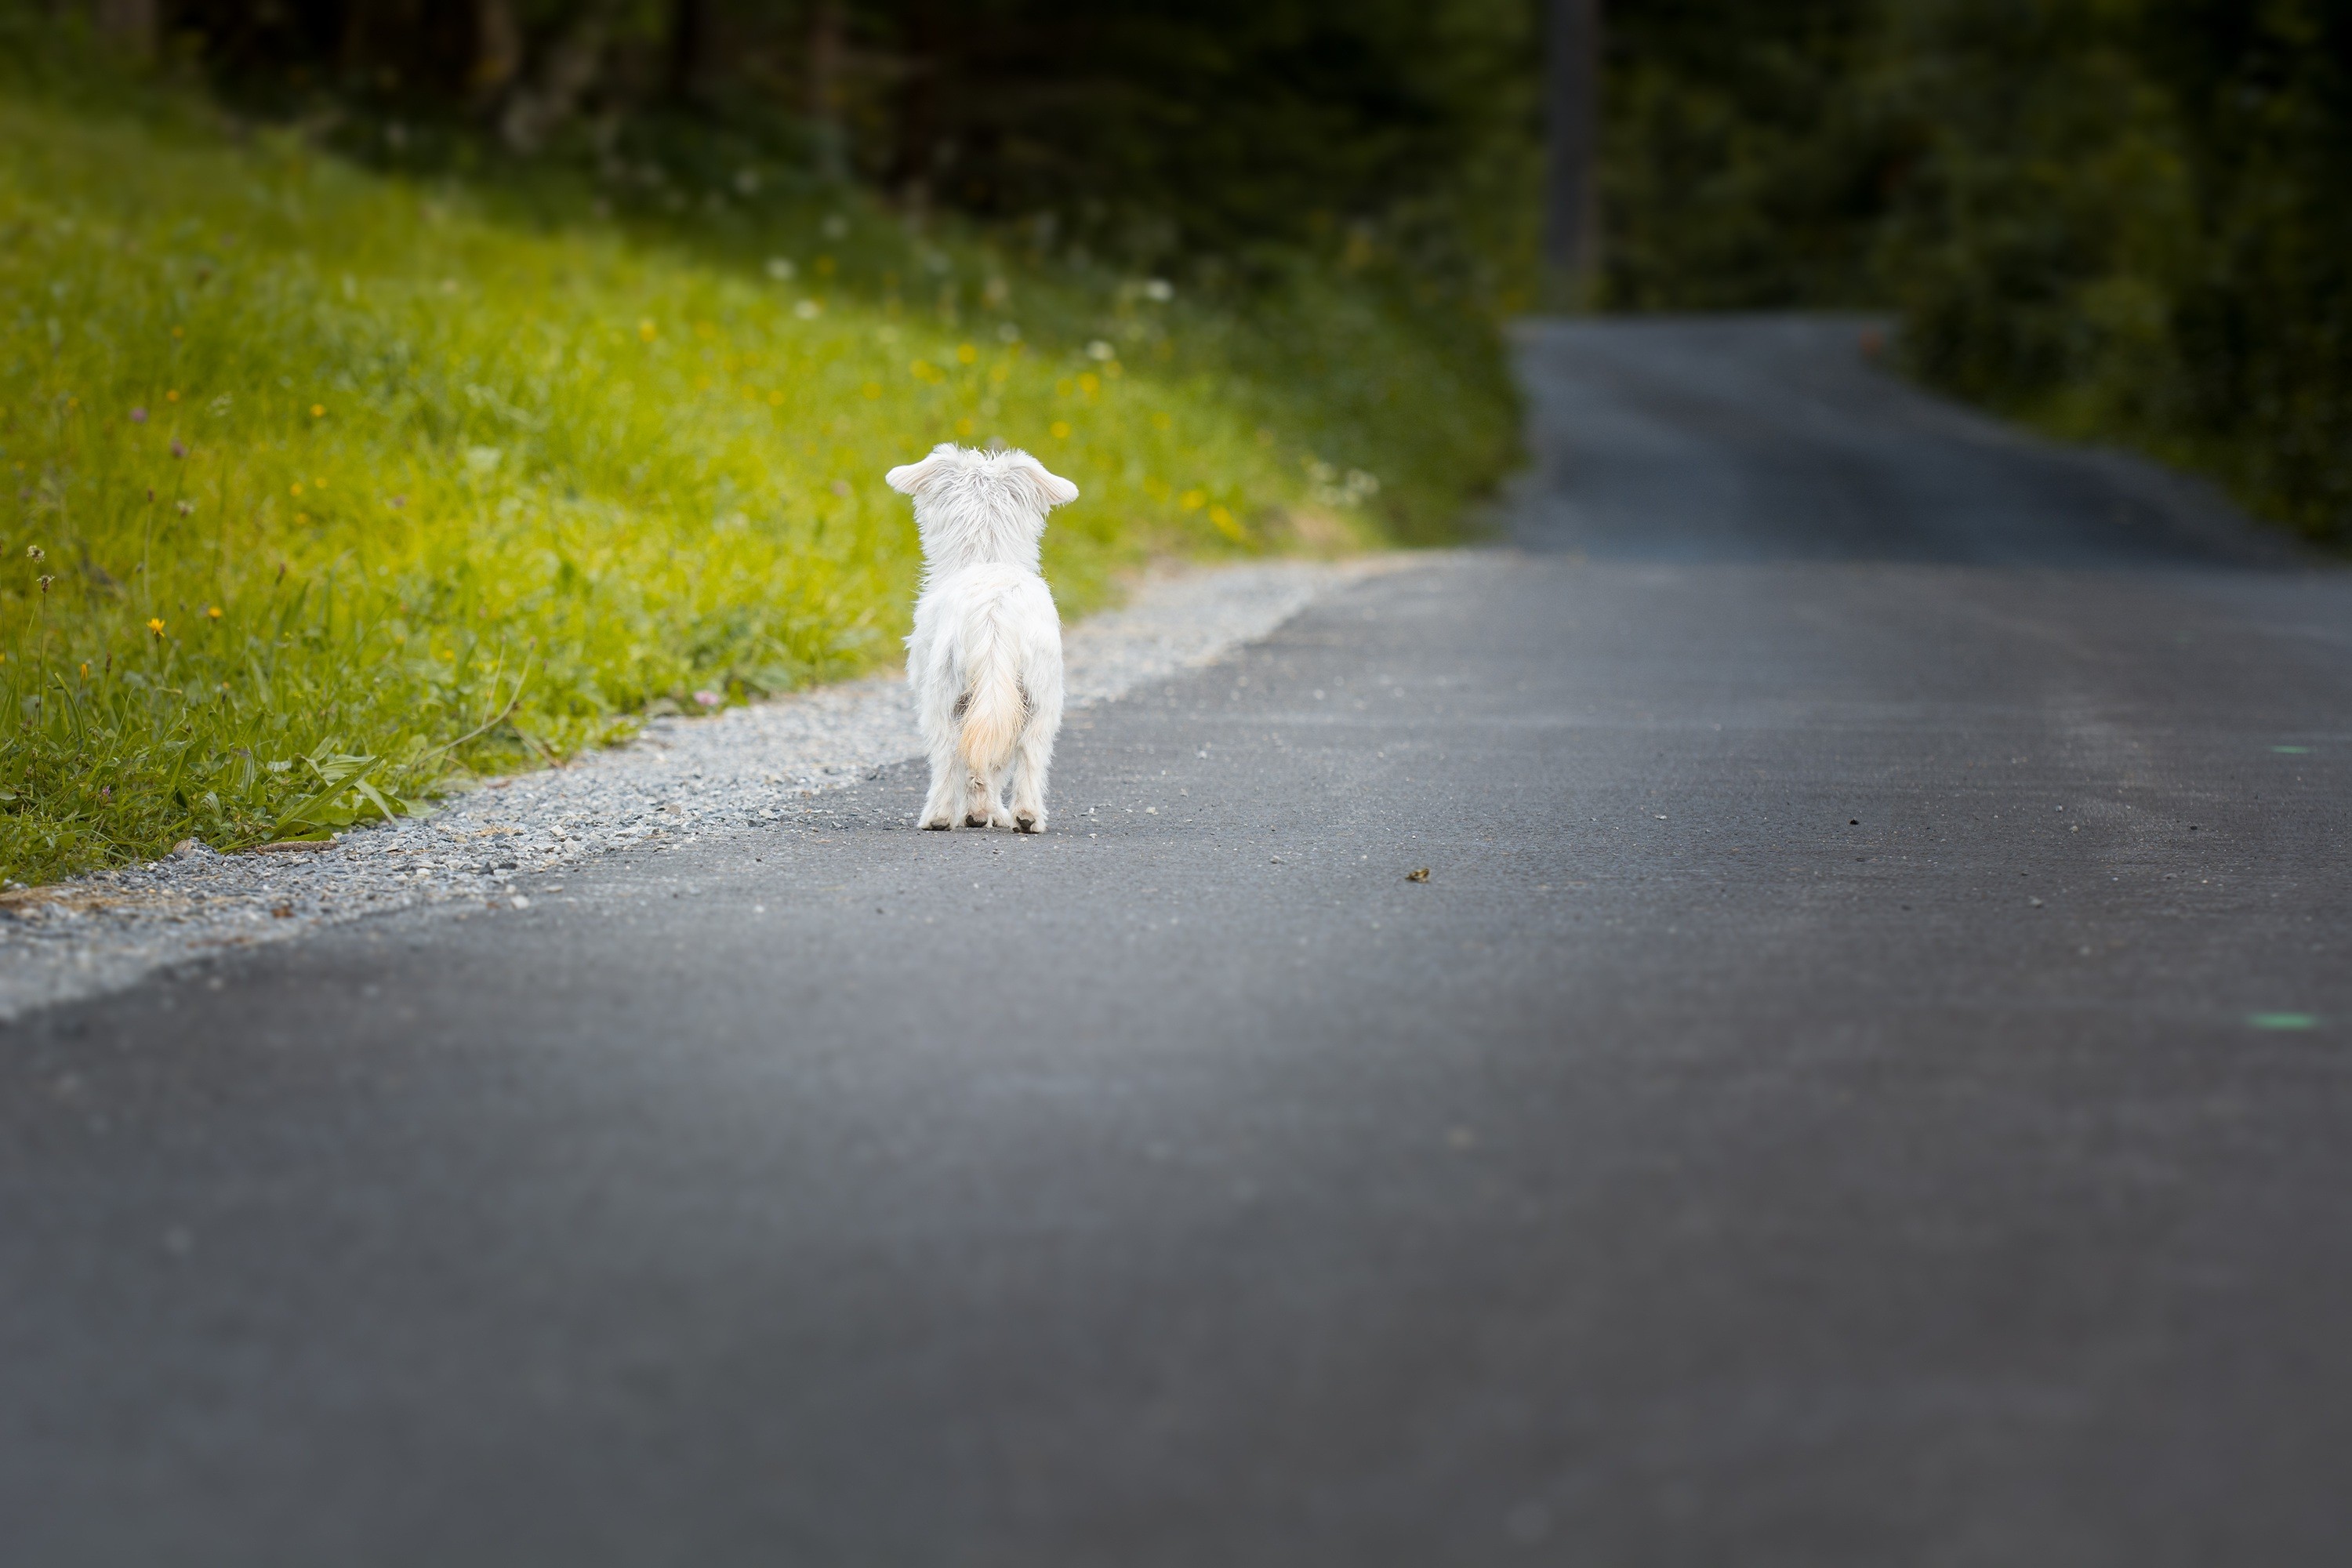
x=1867 y=1079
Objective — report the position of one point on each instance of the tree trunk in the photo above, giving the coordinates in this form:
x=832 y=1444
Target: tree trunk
x=129 y=25
x=1572 y=124
x=915 y=161
x=825 y=63
x=426 y=48
x=498 y=51
x=689 y=48
x=546 y=99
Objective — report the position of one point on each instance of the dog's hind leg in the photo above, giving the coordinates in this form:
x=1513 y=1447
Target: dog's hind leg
x=983 y=801
x=943 y=804
x=1041 y=684
x=1032 y=761
x=946 y=800
x=937 y=713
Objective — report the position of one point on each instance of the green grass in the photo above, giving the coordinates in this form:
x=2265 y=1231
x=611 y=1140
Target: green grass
x=335 y=488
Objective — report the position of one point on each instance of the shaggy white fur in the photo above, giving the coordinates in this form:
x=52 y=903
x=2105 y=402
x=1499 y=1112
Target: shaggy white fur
x=985 y=657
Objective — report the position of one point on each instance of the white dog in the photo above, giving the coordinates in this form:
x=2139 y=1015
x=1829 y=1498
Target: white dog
x=985 y=657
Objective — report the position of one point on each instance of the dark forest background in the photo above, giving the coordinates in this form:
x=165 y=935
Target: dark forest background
x=2121 y=219
x=1199 y=134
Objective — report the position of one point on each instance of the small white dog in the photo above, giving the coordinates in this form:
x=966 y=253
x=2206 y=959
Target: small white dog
x=985 y=657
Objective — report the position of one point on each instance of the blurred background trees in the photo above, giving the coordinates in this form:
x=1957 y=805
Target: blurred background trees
x=2119 y=218
x=1152 y=132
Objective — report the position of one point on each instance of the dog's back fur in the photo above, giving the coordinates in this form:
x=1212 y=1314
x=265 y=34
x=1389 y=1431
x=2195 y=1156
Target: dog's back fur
x=985 y=657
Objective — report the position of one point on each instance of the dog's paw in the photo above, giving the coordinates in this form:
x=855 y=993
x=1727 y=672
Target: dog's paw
x=1029 y=821
x=938 y=824
x=976 y=819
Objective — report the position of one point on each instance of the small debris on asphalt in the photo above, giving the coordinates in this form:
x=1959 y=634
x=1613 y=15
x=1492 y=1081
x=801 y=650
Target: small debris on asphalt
x=1421 y=875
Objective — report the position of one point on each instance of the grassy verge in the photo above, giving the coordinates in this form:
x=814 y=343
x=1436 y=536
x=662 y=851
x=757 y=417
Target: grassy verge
x=332 y=487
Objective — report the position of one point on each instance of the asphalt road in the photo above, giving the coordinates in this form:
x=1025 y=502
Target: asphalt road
x=1867 y=1079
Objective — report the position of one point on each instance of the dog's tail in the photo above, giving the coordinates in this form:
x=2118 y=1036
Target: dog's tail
x=994 y=709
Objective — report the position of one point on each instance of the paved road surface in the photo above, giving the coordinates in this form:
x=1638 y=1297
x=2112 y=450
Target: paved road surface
x=1825 y=1105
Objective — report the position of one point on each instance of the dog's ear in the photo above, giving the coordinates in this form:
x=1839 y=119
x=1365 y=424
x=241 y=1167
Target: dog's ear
x=1041 y=489
x=908 y=478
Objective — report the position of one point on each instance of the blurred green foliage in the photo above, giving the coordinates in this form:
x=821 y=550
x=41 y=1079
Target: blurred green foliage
x=2120 y=219
x=1744 y=166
